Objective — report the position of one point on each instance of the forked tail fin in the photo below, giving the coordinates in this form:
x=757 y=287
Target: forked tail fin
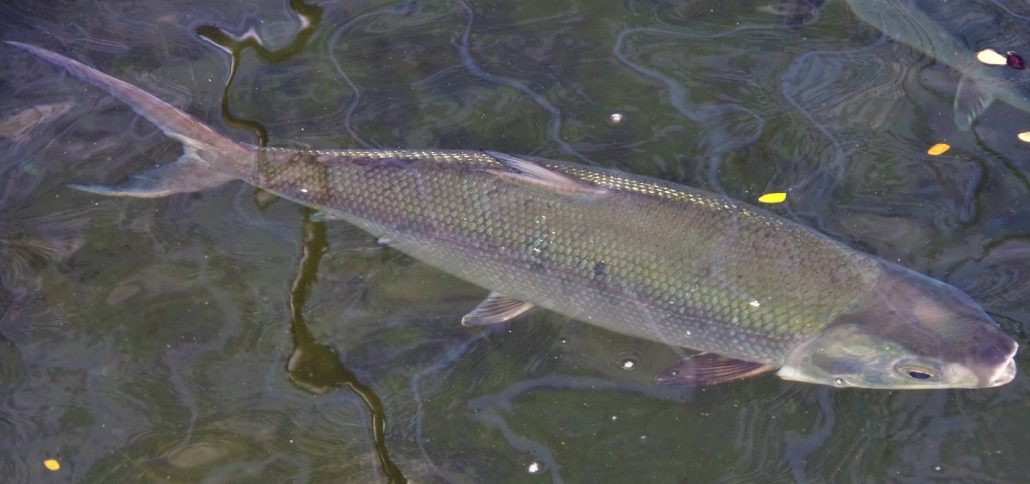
x=196 y=169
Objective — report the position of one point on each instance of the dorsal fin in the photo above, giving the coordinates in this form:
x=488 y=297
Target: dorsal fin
x=532 y=173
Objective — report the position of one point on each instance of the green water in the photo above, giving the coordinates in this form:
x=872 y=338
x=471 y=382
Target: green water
x=225 y=337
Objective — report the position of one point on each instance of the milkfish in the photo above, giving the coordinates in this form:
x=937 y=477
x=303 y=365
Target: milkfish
x=752 y=292
x=952 y=32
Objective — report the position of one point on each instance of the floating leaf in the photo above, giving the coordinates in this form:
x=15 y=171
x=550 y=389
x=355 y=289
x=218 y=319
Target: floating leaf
x=1015 y=61
x=1024 y=136
x=990 y=57
x=52 y=464
x=774 y=197
x=938 y=149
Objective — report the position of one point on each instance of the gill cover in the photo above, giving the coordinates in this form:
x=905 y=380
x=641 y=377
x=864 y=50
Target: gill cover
x=848 y=355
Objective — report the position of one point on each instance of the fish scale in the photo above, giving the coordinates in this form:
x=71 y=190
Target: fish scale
x=648 y=259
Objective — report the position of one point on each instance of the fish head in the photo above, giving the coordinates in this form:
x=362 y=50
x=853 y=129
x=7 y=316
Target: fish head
x=910 y=332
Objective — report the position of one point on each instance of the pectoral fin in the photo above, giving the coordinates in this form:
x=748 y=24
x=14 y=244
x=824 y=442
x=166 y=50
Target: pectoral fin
x=971 y=101
x=496 y=308
x=710 y=369
x=323 y=216
x=187 y=174
x=532 y=173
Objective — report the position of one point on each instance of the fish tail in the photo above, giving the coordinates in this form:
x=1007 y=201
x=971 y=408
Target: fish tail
x=208 y=159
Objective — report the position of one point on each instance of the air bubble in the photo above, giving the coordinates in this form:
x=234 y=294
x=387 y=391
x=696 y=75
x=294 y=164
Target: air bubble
x=628 y=365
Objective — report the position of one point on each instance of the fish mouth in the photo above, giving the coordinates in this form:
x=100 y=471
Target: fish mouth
x=1004 y=373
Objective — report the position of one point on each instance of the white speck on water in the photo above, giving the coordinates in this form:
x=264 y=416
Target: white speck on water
x=754 y=303
x=643 y=437
x=616 y=119
x=938 y=468
x=534 y=467
x=628 y=365
x=689 y=333
x=615 y=417
x=303 y=190
x=839 y=382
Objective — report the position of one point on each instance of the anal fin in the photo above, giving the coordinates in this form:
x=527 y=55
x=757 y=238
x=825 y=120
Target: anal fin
x=187 y=174
x=496 y=308
x=710 y=369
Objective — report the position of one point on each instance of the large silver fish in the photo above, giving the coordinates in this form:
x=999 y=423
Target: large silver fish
x=644 y=257
x=953 y=32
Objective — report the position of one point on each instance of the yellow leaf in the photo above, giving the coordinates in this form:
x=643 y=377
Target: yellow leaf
x=52 y=464
x=775 y=197
x=1024 y=136
x=938 y=149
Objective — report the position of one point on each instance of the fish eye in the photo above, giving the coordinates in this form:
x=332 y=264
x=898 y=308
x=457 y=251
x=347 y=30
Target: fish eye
x=917 y=373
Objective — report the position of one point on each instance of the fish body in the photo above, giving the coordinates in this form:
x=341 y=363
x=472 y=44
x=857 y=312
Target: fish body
x=631 y=254
x=952 y=32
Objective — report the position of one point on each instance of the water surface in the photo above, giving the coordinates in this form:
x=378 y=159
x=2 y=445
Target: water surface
x=224 y=336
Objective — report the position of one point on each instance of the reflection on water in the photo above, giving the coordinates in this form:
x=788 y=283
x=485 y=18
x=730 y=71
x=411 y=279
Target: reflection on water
x=317 y=367
x=308 y=16
x=17 y=126
x=146 y=340
x=312 y=366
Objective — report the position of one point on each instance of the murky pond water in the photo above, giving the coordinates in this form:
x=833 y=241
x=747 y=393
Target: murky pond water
x=224 y=336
